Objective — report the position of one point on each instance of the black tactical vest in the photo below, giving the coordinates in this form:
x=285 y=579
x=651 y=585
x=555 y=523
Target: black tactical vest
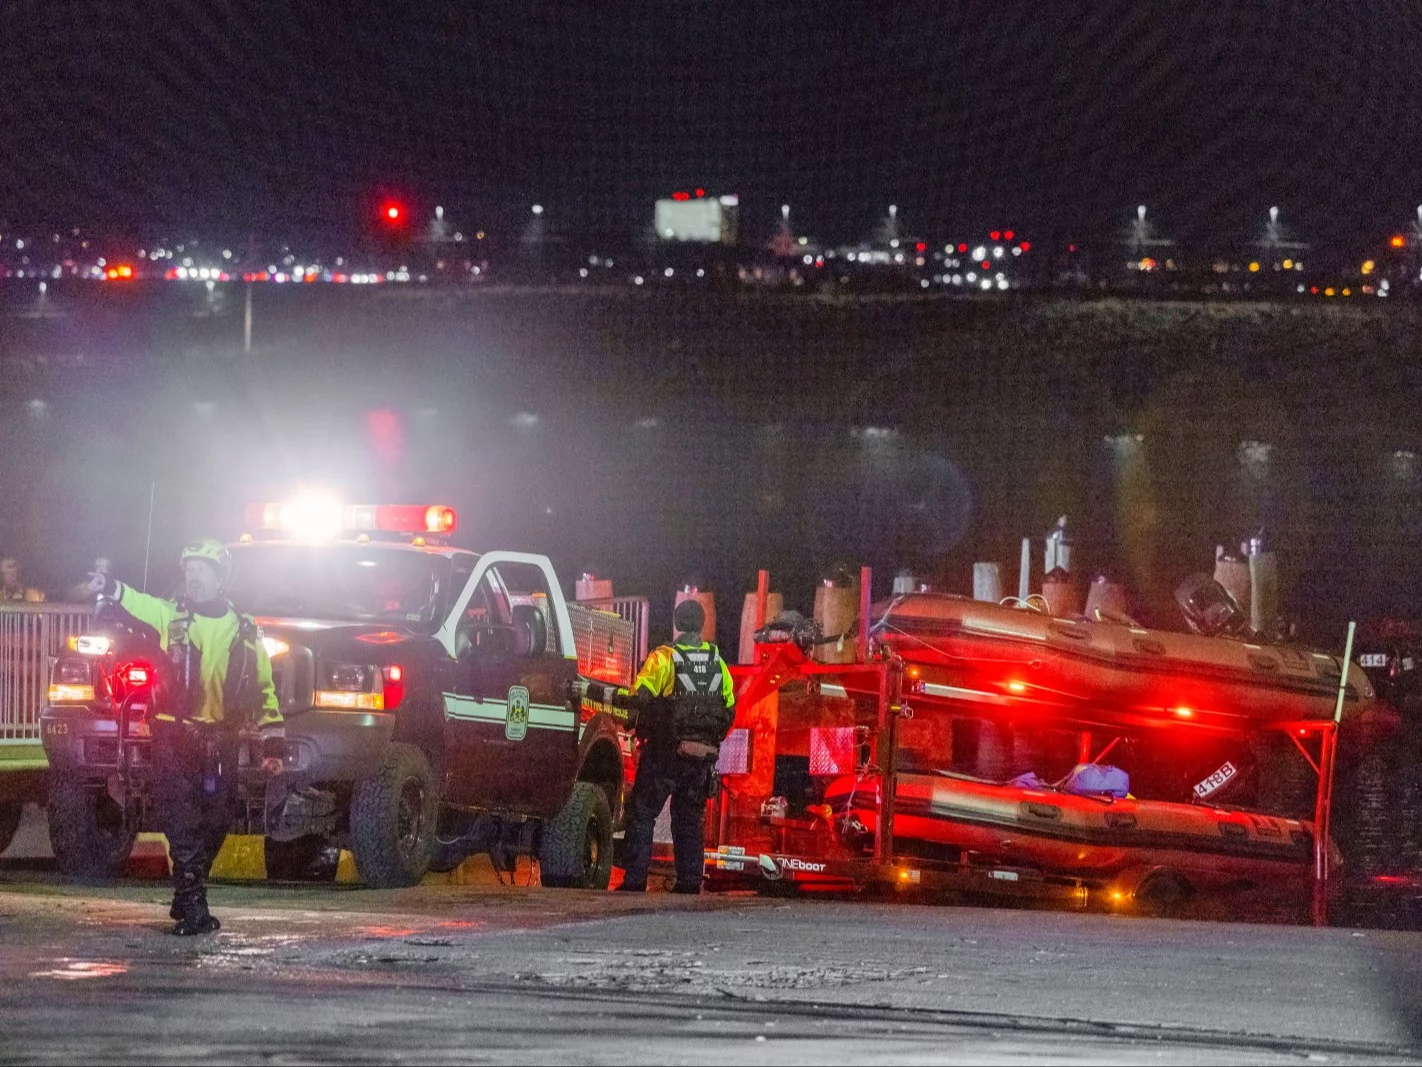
x=699 y=708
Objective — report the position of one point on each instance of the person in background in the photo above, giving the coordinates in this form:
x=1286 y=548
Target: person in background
x=12 y=586
x=81 y=592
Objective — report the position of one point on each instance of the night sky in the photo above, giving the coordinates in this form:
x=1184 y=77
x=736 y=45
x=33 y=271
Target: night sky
x=1055 y=117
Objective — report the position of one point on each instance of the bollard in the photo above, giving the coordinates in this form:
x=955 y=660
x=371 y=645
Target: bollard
x=774 y=607
x=1060 y=592
x=836 y=608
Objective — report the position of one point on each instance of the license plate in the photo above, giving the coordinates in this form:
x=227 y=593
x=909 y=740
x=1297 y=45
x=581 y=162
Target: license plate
x=1214 y=781
x=1373 y=659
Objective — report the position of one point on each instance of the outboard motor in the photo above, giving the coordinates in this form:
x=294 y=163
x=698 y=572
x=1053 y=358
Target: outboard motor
x=1209 y=609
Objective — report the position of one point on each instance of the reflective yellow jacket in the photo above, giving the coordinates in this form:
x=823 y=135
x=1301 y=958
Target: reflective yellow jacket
x=658 y=673
x=213 y=638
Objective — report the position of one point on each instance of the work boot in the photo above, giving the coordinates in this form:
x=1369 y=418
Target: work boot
x=689 y=889
x=196 y=919
x=189 y=908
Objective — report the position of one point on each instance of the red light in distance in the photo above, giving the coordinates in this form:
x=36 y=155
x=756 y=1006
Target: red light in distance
x=1398 y=241
x=392 y=212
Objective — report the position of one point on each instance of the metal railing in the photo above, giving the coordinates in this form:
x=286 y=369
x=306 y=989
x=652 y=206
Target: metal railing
x=31 y=637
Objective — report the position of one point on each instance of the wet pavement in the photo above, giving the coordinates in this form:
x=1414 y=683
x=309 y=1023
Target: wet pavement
x=488 y=973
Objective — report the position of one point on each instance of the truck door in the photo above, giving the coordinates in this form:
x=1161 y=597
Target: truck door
x=513 y=739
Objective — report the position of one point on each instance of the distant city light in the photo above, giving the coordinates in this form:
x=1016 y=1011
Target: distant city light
x=538 y=209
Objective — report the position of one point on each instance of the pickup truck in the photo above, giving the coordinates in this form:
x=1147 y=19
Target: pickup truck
x=432 y=703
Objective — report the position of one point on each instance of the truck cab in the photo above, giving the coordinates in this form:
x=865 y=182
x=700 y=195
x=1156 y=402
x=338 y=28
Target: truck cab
x=431 y=701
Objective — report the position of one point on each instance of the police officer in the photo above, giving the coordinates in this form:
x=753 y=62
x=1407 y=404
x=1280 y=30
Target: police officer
x=215 y=681
x=680 y=739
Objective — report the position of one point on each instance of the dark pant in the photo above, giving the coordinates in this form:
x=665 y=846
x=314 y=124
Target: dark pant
x=661 y=773
x=195 y=789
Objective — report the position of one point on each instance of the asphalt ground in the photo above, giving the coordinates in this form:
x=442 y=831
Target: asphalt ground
x=483 y=973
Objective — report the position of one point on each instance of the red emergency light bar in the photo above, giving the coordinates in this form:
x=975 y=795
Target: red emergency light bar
x=327 y=518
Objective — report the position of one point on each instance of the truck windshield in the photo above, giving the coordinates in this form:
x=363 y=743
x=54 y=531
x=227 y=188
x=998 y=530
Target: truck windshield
x=342 y=583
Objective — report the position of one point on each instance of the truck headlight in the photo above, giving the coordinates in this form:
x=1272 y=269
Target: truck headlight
x=72 y=682
x=352 y=686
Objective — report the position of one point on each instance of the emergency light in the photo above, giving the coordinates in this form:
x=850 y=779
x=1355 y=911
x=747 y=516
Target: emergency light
x=321 y=517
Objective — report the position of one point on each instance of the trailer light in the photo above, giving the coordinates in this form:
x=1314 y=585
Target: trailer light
x=65 y=693
x=1016 y=687
x=275 y=646
x=393 y=674
x=136 y=676
x=1184 y=713
x=91 y=645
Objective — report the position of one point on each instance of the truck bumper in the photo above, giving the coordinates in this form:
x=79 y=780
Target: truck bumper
x=336 y=746
x=321 y=745
x=83 y=741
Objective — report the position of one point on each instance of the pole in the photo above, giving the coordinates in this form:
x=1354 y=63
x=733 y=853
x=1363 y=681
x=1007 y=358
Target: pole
x=762 y=597
x=1024 y=571
x=148 y=541
x=247 y=323
x=1323 y=805
x=866 y=598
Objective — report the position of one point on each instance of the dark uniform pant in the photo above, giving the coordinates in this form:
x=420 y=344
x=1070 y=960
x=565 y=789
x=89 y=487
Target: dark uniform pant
x=661 y=773
x=195 y=787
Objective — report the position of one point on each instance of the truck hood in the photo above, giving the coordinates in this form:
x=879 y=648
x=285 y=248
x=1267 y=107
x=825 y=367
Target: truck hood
x=359 y=641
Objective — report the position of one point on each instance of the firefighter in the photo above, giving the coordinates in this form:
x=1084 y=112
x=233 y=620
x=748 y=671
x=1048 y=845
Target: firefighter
x=215 y=681
x=680 y=739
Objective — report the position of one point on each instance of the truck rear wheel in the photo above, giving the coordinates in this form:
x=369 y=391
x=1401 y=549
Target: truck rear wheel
x=576 y=850
x=9 y=822
x=86 y=828
x=393 y=817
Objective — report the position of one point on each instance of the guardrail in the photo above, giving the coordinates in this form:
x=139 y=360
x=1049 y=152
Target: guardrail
x=31 y=637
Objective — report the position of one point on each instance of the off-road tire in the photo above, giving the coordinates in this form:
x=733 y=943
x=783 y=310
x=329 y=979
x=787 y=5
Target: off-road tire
x=393 y=817
x=576 y=847
x=9 y=822
x=86 y=828
x=300 y=860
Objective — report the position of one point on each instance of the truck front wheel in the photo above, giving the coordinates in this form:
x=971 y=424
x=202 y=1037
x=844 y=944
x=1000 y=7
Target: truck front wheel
x=86 y=828
x=576 y=850
x=393 y=817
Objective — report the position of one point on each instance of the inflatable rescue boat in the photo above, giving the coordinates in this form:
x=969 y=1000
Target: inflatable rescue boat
x=985 y=656
x=1093 y=838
